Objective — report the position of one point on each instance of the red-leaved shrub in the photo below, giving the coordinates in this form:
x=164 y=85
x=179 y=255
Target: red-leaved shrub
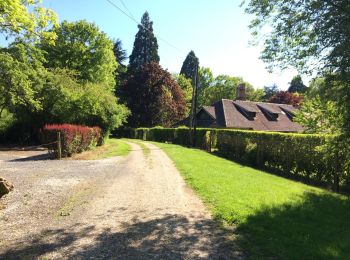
x=74 y=138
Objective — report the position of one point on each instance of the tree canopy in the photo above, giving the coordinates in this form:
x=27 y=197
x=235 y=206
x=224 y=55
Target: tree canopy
x=189 y=66
x=27 y=18
x=81 y=46
x=145 y=45
x=154 y=97
x=297 y=85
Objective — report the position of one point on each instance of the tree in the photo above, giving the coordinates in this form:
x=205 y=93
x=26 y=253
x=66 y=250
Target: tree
x=297 y=85
x=224 y=87
x=120 y=53
x=83 y=48
x=189 y=66
x=187 y=88
x=145 y=45
x=16 y=19
x=308 y=35
x=154 y=97
x=284 y=97
x=37 y=96
x=270 y=91
x=317 y=116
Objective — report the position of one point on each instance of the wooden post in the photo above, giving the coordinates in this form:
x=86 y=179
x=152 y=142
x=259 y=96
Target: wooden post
x=59 y=147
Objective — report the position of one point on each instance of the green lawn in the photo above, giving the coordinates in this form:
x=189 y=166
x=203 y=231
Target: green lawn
x=275 y=217
x=112 y=147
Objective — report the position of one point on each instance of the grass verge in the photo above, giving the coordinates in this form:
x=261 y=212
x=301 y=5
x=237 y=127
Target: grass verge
x=274 y=217
x=112 y=147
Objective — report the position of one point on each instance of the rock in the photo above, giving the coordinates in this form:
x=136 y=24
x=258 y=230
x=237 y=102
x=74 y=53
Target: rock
x=5 y=187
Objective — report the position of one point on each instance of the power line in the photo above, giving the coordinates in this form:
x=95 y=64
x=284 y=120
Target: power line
x=126 y=8
x=135 y=21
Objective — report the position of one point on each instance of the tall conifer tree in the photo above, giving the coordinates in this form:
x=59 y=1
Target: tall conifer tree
x=188 y=68
x=145 y=46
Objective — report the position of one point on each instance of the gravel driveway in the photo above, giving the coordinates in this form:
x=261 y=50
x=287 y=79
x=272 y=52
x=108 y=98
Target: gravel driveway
x=132 y=207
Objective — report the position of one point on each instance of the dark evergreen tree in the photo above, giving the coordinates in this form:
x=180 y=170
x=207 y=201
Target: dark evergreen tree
x=297 y=85
x=188 y=68
x=145 y=46
x=270 y=91
x=120 y=53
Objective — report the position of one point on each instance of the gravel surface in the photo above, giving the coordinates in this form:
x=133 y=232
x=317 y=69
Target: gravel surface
x=133 y=207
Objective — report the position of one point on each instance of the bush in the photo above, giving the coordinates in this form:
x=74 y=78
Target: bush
x=74 y=138
x=297 y=156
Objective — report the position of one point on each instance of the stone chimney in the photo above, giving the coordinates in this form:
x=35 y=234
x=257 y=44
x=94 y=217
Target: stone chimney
x=240 y=92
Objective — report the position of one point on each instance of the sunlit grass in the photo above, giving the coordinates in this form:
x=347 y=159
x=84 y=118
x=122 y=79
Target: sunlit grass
x=275 y=217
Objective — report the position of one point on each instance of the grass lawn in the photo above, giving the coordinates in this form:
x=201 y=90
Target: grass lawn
x=112 y=147
x=275 y=217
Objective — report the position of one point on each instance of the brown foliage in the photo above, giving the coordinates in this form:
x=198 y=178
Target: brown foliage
x=285 y=97
x=154 y=97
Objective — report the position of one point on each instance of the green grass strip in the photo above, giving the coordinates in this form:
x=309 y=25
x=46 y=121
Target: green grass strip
x=274 y=217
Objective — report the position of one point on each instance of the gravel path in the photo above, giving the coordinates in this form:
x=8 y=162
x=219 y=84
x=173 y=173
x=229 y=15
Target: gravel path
x=136 y=207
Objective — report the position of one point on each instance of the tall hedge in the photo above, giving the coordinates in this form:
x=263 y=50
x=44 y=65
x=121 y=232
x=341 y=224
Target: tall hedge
x=297 y=156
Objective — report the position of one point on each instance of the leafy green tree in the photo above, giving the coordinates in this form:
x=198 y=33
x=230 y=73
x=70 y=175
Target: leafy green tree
x=187 y=88
x=189 y=66
x=317 y=116
x=36 y=95
x=83 y=48
x=154 y=97
x=224 y=87
x=206 y=80
x=145 y=45
x=308 y=35
x=297 y=85
x=27 y=18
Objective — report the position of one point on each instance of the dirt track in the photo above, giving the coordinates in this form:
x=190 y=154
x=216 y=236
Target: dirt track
x=136 y=207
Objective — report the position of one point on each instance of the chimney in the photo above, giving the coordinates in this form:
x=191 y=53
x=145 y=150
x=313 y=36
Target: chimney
x=240 y=92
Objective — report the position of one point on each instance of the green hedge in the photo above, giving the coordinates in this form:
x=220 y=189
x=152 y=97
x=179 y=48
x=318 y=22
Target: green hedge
x=296 y=156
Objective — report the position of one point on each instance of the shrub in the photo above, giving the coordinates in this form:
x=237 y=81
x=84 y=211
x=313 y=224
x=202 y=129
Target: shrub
x=74 y=138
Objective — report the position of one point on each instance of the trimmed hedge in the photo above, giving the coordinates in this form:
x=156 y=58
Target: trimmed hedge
x=297 y=156
x=74 y=138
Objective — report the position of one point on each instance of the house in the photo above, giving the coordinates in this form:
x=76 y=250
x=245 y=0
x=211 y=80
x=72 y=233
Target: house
x=249 y=115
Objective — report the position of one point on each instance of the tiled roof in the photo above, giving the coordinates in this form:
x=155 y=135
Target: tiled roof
x=257 y=116
x=251 y=115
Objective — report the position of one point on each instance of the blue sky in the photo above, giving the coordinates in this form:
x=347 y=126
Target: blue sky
x=217 y=31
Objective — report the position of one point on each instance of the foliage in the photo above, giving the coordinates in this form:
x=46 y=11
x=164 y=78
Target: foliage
x=304 y=32
x=145 y=45
x=270 y=91
x=119 y=53
x=27 y=18
x=20 y=74
x=297 y=85
x=272 y=217
x=317 y=116
x=83 y=48
x=285 y=97
x=224 y=87
x=187 y=88
x=153 y=97
x=37 y=96
x=74 y=138
x=189 y=66
x=309 y=35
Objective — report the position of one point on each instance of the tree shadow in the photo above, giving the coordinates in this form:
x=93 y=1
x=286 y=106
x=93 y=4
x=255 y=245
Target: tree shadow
x=169 y=237
x=37 y=157
x=317 y=226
